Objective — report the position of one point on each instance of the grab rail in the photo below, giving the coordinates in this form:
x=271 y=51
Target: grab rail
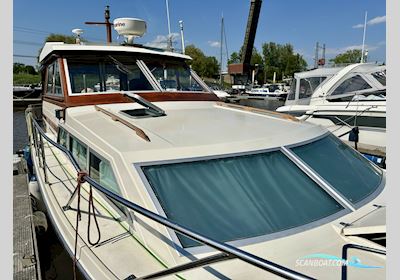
x=358 y=247
x=230 y=252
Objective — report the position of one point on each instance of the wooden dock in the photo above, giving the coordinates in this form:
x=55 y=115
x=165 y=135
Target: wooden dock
x=25 y=251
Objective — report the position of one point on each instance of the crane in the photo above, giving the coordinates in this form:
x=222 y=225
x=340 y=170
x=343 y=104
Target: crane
x=241 y=71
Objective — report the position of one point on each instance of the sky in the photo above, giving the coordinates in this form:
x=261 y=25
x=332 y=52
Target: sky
x=336 y=23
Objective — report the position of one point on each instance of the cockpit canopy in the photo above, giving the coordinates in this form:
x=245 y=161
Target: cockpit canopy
x=354 y=82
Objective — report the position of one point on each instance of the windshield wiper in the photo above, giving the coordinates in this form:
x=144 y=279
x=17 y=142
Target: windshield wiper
x=122 y=67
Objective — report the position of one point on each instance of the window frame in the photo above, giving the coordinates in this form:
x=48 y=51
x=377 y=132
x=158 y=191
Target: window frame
x=69 y=86
x=247 y=241
x=350 y=93
x=56 y=66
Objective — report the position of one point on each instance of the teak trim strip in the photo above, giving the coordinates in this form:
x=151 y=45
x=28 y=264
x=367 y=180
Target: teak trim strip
x=258 y=111
x=116 y=118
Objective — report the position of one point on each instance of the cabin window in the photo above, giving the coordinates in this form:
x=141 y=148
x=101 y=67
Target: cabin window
x=292 y=91
x=84 y=77
x=62 y=137
x=50 y=74
x=101 y=171
x=238 y=197
x=308 y=86
x=111 y=74
x=173 y=76
x=345 y=169
x=57 y=80
x=79 y=151
x=53 y=80
x=380 y=76
x=355 y=83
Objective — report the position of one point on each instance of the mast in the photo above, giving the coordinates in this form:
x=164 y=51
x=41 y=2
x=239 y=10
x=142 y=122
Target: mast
x=182 y=37
x=220 y=66
x=363 y=43
x=169 y=27
x=107 y=23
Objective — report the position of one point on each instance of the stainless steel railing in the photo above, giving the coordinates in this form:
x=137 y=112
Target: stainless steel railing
x=228 y=251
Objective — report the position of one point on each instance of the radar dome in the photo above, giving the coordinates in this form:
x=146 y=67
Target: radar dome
x=130 y=28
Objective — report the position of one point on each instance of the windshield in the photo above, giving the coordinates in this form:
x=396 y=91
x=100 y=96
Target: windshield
x=238 y=197
x=292 y=91
x=308 y=86
x=106 y=74
x=116 y=72
x=345 y=169
x=173 y=76
x=380 y=76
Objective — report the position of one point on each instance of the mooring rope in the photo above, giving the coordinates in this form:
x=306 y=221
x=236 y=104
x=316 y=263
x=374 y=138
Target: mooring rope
x=80 y=181
x=90 y=209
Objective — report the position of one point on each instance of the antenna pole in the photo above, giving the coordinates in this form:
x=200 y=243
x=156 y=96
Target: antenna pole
x=363 y=43
x=107 y=23
x=316 y=55
x=182 y=37
x=169 y=27
x=220 y=66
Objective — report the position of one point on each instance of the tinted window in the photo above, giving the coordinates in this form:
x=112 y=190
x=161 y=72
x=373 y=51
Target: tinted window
x=355 y=83
x=292 y=91
x=50 y=74
x=345 y=169
x=111 y=74
x=239 y=197
x=79 y=151
x=173 y=76
x=62 y=136
x=57 y=80
x=308 y=86
x=380 y=76
x=101 y=171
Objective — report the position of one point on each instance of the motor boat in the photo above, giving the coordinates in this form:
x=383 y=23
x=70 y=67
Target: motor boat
x=27 y=91
x=271 y=90
x=350 y=101
x=141 y=181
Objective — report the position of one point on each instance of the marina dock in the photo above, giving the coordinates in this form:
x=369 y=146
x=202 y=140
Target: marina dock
x=25 y=249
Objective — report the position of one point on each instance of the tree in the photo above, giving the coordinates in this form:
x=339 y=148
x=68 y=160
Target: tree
x=282 y=60
x=351 y=56
x=235 y=58
x=205 y=66
x=53 y=37
x=22 y=68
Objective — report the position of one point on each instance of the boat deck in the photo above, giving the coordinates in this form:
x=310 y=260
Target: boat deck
x=116 y=243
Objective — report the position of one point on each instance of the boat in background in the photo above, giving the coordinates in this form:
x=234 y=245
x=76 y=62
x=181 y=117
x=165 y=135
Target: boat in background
x=349 y=101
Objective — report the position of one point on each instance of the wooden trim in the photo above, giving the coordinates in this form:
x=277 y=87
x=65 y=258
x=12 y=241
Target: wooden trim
x=63 y=77
x=51 y=123
x=98 y=99
x=258 y=111
x=139 y=132
x=55 y=101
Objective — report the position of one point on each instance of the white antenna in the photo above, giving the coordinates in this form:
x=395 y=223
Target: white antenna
x=169 y=27
x=182 y=37
x=363 y=43
x=78 y=32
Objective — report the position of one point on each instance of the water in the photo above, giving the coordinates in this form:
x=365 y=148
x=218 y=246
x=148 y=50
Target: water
x=20 y=134
x=55 y=262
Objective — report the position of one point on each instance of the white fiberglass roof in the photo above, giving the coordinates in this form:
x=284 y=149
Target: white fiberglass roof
x=190 y=129
x=51 y=47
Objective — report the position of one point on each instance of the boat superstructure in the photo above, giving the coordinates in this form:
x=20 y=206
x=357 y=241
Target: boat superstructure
x=341 y=99
x=144 y=171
